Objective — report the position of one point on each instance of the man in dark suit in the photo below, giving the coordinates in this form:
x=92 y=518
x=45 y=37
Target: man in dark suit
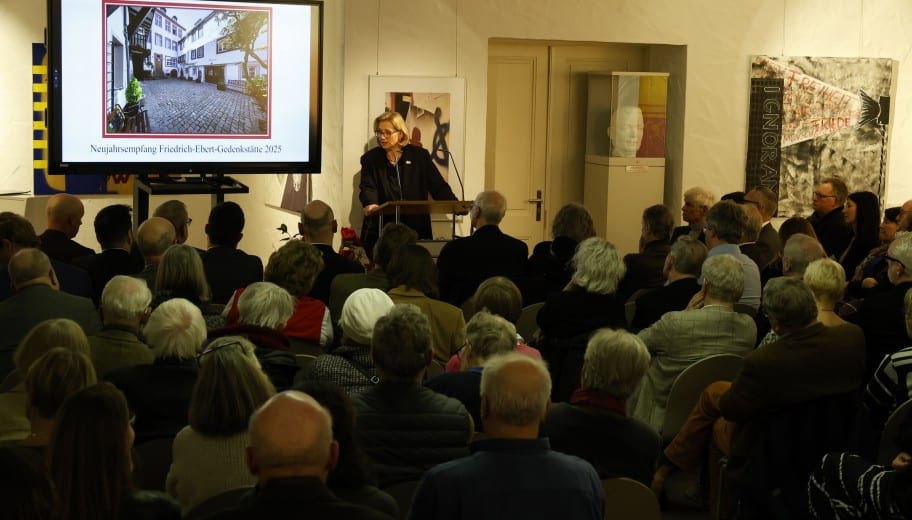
x=37 y=298
x=808 y=362
x=682 y=268
x=16 y=234
x=64 y=218
x=227 y=267
x=767 y=203
x=291 y=452
x=697 y=202
x=153 y=238
x=318 y=226
x=114 y=232
x=881 y=314
x=466 y=262
x=828 y=221
x=644 y=269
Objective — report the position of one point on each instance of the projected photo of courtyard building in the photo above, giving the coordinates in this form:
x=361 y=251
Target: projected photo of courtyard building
x=183 y=70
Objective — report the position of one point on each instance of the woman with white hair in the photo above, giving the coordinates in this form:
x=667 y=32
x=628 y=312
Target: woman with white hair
x=589 y=302
x=263 y=310
x=159 y=394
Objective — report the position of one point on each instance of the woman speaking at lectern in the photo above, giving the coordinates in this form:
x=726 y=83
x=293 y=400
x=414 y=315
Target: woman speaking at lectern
x=397 y=170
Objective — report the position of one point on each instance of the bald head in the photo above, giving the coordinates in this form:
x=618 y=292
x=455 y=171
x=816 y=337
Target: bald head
x=515 y=392
x=175 y=212
x=154 y=237
x=291 y=435
x=905 y=221
x=490 y=208
x=64 y=214
x=318 y=224
x=31 y=267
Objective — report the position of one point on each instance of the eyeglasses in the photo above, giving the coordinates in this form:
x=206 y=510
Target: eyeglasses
x=212 y=349
x=889 y=258
x=385 y=133
x=818 y=195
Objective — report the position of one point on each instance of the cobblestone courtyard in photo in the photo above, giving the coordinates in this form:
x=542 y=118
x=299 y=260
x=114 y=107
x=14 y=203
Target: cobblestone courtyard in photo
x=186 y=107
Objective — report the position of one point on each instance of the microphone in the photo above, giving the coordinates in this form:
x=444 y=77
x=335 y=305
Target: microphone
x=455 y=169
x=399 y=177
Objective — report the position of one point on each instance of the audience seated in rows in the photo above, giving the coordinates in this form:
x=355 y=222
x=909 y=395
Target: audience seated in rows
x=159 y=393
x=114 y=232
x=16 y=234
x=461 y=272
x=809 y=361
x=708 y=326
x=294 y=267
x=486 y=335
x=64 y=218
x=407 y=428
x=153 y=238
x=497 y=295
x=588 y=303
x=263 y=310
x=38 y=298
x=40 y=339
x=871 y=273
x=352 y=479
x=392 y=237
x=228 y=268
x=697 y=202
x=413 y=280
x=512 y=473
x=209 y=451
x=181 y=275
x=644 y=269
x=124 y=309
x=790 y=226
x=89 y=460
x=291 y=452
x=681 y=270
x=318 y=226
x=594 y=424
x=349 y=365
x=828 y=218
x=52 y=378
x=549 y=267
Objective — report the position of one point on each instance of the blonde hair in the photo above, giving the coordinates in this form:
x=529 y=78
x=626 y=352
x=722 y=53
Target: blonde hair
x=826 y=279
x=56 y=375
x=398 y=123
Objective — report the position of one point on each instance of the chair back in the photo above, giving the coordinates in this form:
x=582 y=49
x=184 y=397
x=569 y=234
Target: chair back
x=628 y=498
x=888 y=448
x=403 y=492
x=223 y=501
x=687 y=387
x=526 y=325
x=151 y=463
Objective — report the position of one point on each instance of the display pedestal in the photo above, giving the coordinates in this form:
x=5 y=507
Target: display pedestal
x=144 y=186
x=617 y=190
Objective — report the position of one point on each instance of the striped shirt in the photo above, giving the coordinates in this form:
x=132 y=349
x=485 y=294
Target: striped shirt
x=890 y=387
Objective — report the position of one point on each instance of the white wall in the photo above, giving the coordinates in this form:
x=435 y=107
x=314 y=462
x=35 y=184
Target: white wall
x=450 y=37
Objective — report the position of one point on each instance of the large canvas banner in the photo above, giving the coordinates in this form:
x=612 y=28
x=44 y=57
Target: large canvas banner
x=818 y=117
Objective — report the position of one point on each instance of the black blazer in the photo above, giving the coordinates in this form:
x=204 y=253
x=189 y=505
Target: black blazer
x=106 y=265
x=57 y=245
x=466 y=262
x=333 y=264
x=228 y=269
x=379 y=183
x=672 y=297
x=644 y=269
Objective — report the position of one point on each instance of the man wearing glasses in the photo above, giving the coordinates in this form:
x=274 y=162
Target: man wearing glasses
x=828 y=221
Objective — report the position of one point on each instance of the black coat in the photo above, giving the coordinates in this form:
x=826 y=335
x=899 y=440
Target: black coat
x=228 y=269
x=466 y=262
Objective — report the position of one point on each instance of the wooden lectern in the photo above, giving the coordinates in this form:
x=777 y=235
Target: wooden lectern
x=396 y=208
